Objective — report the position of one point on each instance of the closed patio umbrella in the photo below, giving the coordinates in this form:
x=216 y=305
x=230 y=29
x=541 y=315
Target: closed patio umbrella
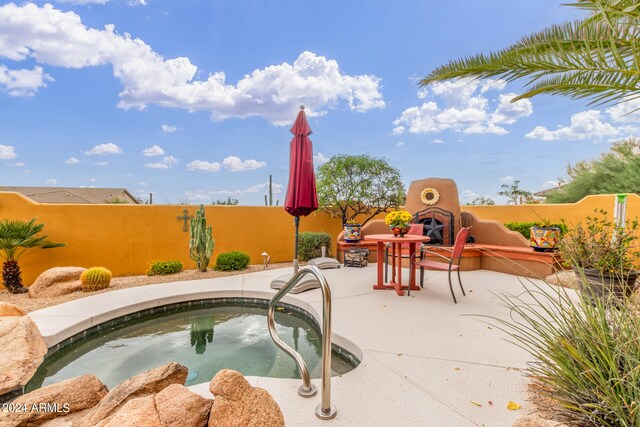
x=301 y=197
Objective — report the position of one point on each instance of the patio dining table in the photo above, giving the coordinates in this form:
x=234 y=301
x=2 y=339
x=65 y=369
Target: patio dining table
x=396 y=260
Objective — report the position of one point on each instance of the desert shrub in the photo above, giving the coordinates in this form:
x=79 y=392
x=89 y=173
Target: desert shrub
x=524 y=227
x=164 y=267
x=586 y=353
x=310 y=245
x=230 y=261
x=95 y=278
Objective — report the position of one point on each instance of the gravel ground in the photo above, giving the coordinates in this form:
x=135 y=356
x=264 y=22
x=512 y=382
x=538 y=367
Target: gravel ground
x=31 y=304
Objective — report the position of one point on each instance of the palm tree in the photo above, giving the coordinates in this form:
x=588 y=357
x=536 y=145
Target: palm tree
x=596 y=58
x=17 y=238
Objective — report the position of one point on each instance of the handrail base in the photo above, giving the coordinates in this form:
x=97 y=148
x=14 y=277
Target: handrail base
x=311 y=391
x=331 y=414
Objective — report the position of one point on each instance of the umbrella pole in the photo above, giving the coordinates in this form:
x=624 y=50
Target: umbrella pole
x=296 y=221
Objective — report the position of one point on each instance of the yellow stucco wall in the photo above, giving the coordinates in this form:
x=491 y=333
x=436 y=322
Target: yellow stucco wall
x=125 y=238
x=571 y=213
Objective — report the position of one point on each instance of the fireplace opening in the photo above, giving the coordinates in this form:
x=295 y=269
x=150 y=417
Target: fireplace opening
x=438 y=225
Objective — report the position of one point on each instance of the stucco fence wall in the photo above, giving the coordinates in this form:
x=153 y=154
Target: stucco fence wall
x=125 y=238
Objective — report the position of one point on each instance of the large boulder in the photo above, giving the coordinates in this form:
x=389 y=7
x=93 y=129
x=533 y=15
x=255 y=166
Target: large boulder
x=175 y=406
x=57 y=281
x=55 y=400
x=22 y=350
x=144 y=384
x=237 y=403
x=7 y=309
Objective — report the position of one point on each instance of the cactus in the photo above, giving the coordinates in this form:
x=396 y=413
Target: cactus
x=95 y=278
x=201 y=241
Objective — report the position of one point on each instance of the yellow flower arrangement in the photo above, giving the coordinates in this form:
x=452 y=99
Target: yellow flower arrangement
x=398 y=219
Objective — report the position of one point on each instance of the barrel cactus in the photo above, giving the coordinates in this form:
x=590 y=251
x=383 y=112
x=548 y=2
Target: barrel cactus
x=201 y=241
x=95 y=278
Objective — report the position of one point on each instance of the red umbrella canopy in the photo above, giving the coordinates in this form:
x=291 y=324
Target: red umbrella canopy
x=301 y=197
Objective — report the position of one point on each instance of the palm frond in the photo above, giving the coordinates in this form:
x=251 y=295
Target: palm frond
x=594 y=58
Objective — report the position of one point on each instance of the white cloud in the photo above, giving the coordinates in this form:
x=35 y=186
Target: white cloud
x=201 y=165
x=19 y=164
x=627 y=112
x=23 y=82
x=156 y=165
x=168 y=128
x=153 y=151
x=137 y=2
x=549 y=184
x=507 y=179
x=586 y=124
x=399 y=144
x=100 y=163
x=142 y=183
x=461 y=105
x=320 y=159
x=82 y=2
x=104 y=149
x=235 y=164
x=72 y=161
x=7 y=152
x=273 y=92
x=51 y=181
x=167 y=163
x=509 y=112
x=92 y=180
x=468 y=195
x=438 y=141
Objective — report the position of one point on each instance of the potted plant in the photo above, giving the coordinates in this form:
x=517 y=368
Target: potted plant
x=352 y=231
x=544 y=236
x=398 y=222
x=602 y=254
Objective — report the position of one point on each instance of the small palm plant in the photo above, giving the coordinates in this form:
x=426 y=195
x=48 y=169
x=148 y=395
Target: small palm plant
x=17 y=238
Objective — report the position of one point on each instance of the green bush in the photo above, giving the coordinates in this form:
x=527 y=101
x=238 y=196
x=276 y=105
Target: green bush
x=230 y=261
x=164 y=267
x=524 y=227
x=586 y=353
x=310 y=245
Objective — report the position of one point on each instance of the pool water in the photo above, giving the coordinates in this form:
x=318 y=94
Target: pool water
x=232 y=336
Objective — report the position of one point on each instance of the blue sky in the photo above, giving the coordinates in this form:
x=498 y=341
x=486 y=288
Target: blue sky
x=193 y=100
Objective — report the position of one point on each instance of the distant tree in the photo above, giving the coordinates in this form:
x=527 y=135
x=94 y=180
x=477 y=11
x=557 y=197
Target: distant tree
x=617 y=171
x=228 y=202
x=482 y=200
x=515 y=194
x=117 y=201
x=352 y=185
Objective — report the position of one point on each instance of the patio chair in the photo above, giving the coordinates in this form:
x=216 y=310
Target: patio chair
x=452 y=262
x=416 y=229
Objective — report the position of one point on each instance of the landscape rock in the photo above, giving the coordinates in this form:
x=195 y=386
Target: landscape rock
x=55 y=400
x=57 y=281
x=7 y=309
x=175 y=406
x=22 y=350
x=536 y=421
x=237 y=403
x=566 y=278
x=144 y=384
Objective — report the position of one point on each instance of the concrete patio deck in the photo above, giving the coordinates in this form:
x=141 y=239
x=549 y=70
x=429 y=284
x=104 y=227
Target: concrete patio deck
x=424 y=362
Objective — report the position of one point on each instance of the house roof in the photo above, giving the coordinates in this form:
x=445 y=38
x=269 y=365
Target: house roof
x=72 y=194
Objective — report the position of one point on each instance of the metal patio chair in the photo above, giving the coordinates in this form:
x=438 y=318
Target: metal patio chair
x=452 y=263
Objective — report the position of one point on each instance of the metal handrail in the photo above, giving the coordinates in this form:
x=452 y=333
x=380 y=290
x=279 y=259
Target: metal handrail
x=325 y=410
